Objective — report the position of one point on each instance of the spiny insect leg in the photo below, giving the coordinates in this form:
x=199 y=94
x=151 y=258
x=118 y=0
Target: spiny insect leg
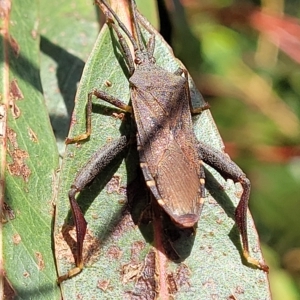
x=80 y=224
x=102 y=158
x=229 y=170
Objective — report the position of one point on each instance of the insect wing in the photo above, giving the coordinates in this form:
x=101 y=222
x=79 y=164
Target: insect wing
x=167 y=144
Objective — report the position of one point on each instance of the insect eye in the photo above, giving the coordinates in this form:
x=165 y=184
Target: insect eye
x=138 y=61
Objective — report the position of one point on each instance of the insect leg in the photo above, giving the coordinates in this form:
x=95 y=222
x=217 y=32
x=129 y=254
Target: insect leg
x=112 y=100
x=105 y=97
x=93 y=167
x=229 y=170
x=88 y=116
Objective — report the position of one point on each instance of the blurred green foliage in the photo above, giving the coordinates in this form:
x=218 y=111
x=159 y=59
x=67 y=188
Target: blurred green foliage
x=253 y=89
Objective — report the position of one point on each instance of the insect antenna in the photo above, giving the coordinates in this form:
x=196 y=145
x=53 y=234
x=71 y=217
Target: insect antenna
x=136 y=45
x=137 y=27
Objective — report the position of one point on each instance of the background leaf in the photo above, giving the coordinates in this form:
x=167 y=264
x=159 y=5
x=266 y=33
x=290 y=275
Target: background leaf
x=68 y=33
x=253 y=137
x=31 y=161
x=117 y=251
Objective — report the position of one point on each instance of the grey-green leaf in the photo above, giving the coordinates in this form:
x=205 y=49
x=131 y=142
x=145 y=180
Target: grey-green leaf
x=31 y=164
x=122 y=250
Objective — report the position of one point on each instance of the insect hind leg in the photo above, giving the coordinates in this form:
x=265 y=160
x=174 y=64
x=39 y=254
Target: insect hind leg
x=229 y=170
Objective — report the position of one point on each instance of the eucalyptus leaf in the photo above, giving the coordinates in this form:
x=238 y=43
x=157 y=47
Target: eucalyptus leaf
x=122 y=257
x=31 y=161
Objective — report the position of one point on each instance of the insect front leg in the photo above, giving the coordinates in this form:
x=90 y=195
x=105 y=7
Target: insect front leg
x=229 y=170
x=93 y=167
x=105 y=97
